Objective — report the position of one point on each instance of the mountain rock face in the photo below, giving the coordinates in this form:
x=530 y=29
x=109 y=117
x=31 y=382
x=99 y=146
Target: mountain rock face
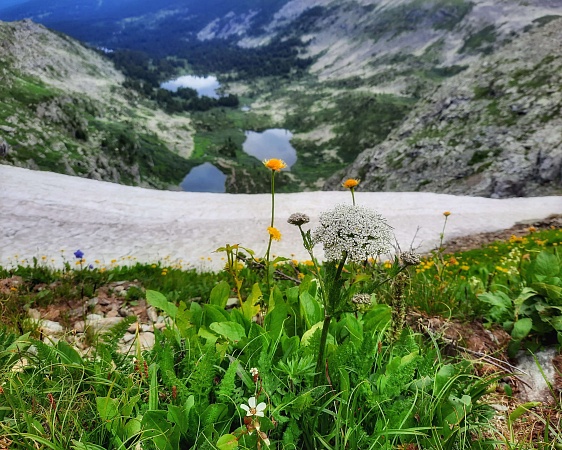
x=63 y=109
x=493 y=130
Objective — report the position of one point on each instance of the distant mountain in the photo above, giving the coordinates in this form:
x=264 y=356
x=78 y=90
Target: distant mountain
x=493 y=130
x=63 y=109
x=342 y=75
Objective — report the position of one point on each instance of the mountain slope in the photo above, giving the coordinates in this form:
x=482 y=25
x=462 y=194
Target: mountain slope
x=64 y=110
x=493 y=130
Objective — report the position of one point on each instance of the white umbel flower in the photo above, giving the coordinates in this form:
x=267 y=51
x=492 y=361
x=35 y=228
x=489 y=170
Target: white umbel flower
x=356 y=230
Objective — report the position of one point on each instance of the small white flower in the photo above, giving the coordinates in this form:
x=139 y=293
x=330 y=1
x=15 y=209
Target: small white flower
x=252 y=409
x=254 y=371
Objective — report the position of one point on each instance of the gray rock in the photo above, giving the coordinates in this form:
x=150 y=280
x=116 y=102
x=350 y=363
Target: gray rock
x=34 y=313
x=152 y=314
x=147 y=340
x=102 y=325
x=50 y=328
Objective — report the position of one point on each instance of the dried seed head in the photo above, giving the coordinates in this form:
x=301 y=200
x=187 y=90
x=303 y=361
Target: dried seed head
x=410 y=258
x=298 y=219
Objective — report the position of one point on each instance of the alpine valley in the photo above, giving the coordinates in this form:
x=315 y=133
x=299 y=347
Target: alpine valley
x=450 y=96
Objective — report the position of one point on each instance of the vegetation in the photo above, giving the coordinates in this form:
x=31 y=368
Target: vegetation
x=310 y=356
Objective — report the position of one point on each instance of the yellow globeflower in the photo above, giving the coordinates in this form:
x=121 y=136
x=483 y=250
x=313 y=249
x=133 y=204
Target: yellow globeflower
x=275 y=164
x=350 y=183
x=447 y=213
x=274 y=233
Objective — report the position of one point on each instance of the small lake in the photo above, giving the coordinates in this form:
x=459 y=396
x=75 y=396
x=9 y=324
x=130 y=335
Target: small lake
x=206 y=86
x=272 y=143
x=204 y=178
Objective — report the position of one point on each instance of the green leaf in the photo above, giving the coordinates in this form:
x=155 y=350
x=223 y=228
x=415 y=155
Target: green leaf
x=68 y=354
x=501 y=306
x=443 y=378
x=550 y=291
x=159 y=301
x=310 y=309
x=159 y=430
x=521 y=328
x=546 y=265
x=275 y=319
x=220 y=294
x=108 y=408
x=153 y=389
x=227 y=442
x=76 y=445
x=520 y=410
x=230 y=330
x=250 y=307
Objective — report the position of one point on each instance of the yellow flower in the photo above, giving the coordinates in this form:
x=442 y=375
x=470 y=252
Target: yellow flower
x=532 y=229
x=274 y=233
x=350 y=183
x=274 y=164
x=447 y=213
x=465 y=267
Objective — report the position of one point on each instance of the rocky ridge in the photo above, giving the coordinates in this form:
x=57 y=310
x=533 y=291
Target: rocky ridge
x=64 y=103
x=493 y=130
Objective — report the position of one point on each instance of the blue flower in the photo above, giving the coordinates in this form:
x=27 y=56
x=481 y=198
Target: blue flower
x=91 y=267
x=79 y=254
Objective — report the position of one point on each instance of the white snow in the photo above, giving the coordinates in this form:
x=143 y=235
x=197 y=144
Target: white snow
x=42 y=213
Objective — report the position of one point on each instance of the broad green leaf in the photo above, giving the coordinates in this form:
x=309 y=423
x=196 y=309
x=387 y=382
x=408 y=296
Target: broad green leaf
x=250 y=306
x=159 y=301
x=230 y=330
x=227 y=442
x=132 y=428
x=292 y=295
x=159 y=430
x=68 y=354
x=521 y=328
x=501 y=305
x=443 y=377
x=547 y=265
x=206 y=334
x=220 y=294
x=275 y=319
x=550 y=291
x=310 y=309
x=556 y=323
x=377 y=318
x=308 y=334
x=213 y=313
x=108 y=408
x=127 y=408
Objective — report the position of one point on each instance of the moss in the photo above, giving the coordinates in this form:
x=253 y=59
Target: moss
x=480 y=42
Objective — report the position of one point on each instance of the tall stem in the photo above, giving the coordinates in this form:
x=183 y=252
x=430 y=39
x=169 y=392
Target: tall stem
x=268 y=282
x=320 y=362
x=329 y=309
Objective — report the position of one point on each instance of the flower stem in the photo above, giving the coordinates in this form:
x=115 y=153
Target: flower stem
x=329 y=308
x=267 y=262
x=320 y=361
x=353 y=195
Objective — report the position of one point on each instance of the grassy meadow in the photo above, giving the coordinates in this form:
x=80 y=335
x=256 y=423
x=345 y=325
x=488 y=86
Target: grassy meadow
x=347 y=353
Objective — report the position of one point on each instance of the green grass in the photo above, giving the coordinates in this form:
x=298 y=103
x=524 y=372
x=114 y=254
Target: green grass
x=381 y=375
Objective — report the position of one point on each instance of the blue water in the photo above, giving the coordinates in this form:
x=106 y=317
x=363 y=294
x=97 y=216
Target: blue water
x=204 y=178
x=272 y=143
x=206 y=86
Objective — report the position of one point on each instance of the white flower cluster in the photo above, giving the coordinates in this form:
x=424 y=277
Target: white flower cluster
x=356 y=230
